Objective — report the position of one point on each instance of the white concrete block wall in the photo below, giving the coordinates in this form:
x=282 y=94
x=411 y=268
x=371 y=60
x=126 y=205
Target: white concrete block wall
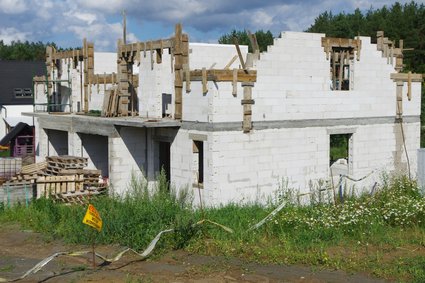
x=379 y=149
x=95 y=148
x=251 y=167
x=293 y=84
x=75 y=145
x=41 y=143
x=182 y=164
x=154 y=80
x=218 y=105
x=105 y=62
x=126 y=158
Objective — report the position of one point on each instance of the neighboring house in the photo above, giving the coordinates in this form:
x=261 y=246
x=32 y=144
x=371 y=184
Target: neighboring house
x=237 y=135
x=16 y=91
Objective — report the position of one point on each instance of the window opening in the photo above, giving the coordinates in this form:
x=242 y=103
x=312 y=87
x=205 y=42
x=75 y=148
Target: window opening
x=339 y=154
x=198 y=162
x=340 y=65
x=22 y=92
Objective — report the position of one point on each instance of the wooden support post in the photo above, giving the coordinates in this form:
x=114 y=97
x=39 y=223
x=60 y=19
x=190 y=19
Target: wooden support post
x=178 y=65
x=137 y=56
x=235 y=82
x=247 y=103
x=187 y=78
x=335 y=59
x=341 y=69
x=409 y=85
x=235 y=41
x=399 y=94
x=49 y=66
x=231 y=62
x=204 y=81
x=328 y=48
x=86 y=77
x=254 y=44
x=151 y=53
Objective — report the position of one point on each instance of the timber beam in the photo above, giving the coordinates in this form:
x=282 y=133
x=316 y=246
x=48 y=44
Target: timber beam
x=406 y=77
x=330 y=43
x=130 y=49
x=217 y=75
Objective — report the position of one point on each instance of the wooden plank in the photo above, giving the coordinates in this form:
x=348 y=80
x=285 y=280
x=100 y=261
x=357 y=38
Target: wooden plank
x=328 y=42
x=204 y=81
x=187 y=75
x=247 y=101
x=235 y=41
x=230 y=62
x=105 y=104
x=178 y=78
x=235 y=83
x=224 y=75
x=127 y=49
x=404 y=77
x=341 y=69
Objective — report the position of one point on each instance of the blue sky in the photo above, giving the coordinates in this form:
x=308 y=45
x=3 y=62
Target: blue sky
x=67 y=22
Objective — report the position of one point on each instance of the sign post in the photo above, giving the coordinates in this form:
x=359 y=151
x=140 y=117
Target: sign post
x=92 y=218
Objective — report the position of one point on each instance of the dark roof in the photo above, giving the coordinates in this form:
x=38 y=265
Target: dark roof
x=18 y=75
x=17 y=130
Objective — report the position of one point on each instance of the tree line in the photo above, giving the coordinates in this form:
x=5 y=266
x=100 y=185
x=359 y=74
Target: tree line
x=25 y=51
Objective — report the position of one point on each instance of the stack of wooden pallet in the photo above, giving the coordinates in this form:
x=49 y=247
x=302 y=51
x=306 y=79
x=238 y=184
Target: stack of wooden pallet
x=55 y=164
x=62 y=178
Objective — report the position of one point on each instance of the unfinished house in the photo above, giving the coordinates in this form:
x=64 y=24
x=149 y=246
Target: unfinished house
x=233 y=125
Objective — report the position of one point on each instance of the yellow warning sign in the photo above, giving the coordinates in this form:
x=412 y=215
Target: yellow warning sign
x=92 y=218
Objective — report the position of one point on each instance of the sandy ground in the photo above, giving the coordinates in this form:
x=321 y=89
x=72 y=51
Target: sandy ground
x=21 y=250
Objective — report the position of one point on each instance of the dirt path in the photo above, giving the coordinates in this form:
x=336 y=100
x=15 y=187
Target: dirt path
x=21 y=250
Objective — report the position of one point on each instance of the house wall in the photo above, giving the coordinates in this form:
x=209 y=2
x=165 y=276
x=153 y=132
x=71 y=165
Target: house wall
x=95 y=148
x=294 y=114
x=293 y=83
x=57 y=142
x=252 y=167
x=127 y=158
x=156 y=79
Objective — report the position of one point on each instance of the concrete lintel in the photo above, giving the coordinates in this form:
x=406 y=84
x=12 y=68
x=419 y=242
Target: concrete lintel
x=59 y=123
x=337 y=131
x=198 y=137
x=98 y=125
x=263 y=125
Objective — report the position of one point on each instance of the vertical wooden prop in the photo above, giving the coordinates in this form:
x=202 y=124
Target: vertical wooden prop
x=247 y=103
x=178 y=65
x=399 y=99
x=86 y=77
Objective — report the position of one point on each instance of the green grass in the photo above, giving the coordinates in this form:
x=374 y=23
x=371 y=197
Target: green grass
x=383 y=234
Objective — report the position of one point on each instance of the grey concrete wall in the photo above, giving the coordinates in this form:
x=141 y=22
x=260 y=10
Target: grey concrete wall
x=129 y=157
x=95 y=147
x=57 y=142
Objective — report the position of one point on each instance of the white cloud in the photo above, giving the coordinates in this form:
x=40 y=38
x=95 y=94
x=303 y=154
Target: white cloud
x=88 y=18
x=104 y=35
x=11 y=34
x=12 y=6
x=66 y=22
